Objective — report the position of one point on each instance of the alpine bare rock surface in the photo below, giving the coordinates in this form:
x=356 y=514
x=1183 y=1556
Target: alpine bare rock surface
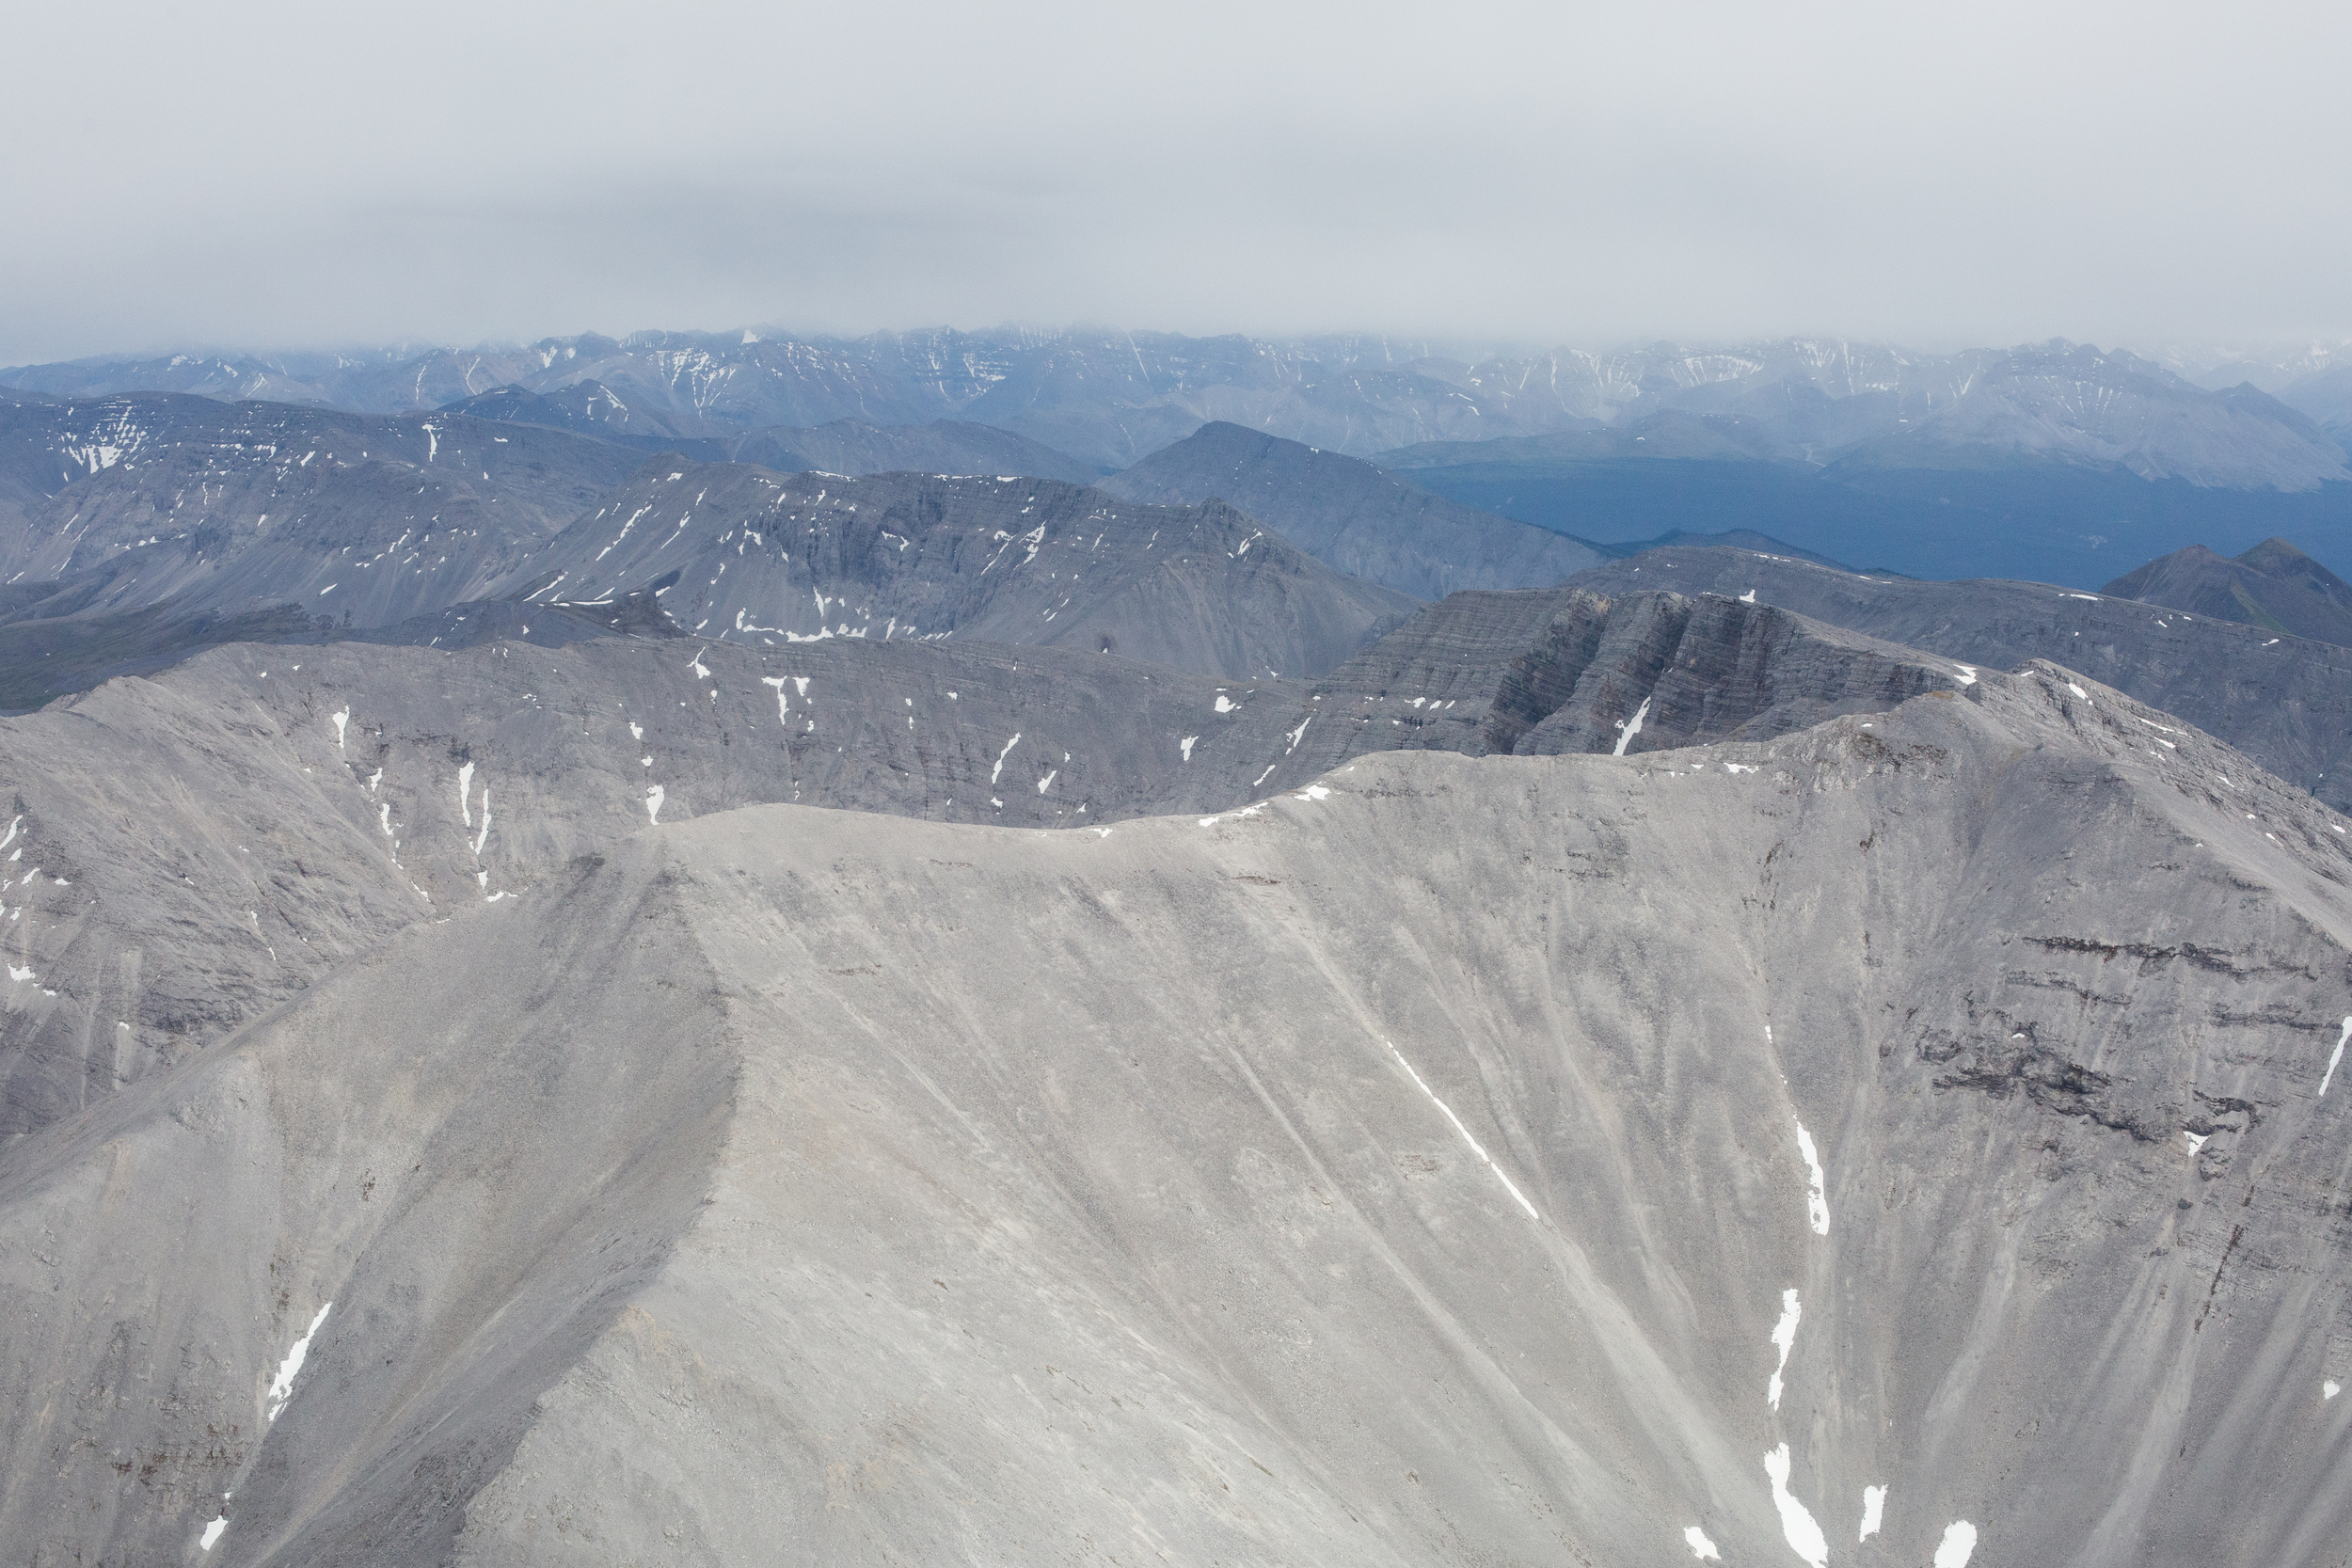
x=1917 y=1128
x=1352 y=515
x=228 y=831
x=188 y=851
x=2283 y=701
x=235 y=507
x=2273 y=586
x=843 y=992
x=739 y=553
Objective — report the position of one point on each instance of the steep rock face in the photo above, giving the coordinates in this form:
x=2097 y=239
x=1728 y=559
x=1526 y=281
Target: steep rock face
x=2273 y=586
x=763 y=558
x=1352 y=515
x=1541 y=672
x=1661 y=671
x=1937 y=1111
x=2286 y=703
x=235 y=507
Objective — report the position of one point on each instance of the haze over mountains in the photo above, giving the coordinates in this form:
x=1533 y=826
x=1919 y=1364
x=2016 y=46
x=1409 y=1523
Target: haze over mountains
x=2050 y=460
x=1056 y=947
x=1115 y=398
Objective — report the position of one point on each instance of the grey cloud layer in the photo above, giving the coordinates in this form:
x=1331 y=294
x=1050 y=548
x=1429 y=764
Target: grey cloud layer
x=452 y=175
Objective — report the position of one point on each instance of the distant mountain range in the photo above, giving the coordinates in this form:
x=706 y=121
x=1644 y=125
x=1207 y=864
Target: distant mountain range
x=1110 y=399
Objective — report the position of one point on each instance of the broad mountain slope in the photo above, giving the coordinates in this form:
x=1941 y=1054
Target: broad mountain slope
x=1938 y=1111
x=235 y=507
x=1349 y=515
x=756 y=557
x=589 y=408
x=2273 y=586
x=230 y=831
x=2283 y=701
x=941 y=447
x=847 y=446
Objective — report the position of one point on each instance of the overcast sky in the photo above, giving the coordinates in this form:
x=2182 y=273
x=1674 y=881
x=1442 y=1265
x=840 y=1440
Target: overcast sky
x=299 y=175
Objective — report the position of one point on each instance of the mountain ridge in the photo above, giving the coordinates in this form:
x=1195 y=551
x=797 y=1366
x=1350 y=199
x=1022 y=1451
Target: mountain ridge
x=1355 y=518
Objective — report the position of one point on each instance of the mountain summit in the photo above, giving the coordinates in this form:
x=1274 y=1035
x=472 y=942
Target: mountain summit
x=2274 y=585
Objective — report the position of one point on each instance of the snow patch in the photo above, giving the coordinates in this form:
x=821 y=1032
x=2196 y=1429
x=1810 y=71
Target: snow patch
x=999 y=768
x=1959 y=1544
x=1784 y=1336
x=465 y=792
x=281 y=1388
x=1187 y=745
x=2329 y=1389
x=1797 y=1524
x=1873 y=1511
x=2335 y=1057
x=1628 y=728
x=653 y=804
x=1967 y=673
x=211 y=1532
x=1508 y=1184
x=340 y=720
x=1816 y=1184
x=1046 y=780
x=1225 y=704
x=1701 y=1547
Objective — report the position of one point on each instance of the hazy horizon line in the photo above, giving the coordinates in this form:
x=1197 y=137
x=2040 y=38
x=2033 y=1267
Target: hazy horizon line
x=1423 y=345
